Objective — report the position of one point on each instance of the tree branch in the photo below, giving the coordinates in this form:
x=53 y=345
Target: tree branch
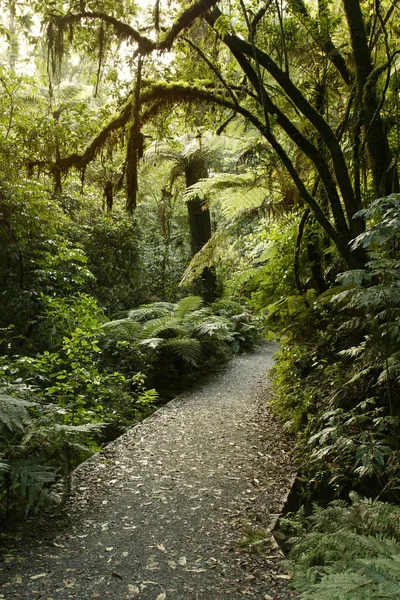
x=125 y=31
x=241 y=47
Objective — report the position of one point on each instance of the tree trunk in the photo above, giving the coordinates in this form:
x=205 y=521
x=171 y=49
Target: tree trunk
x=200 y=230
x=384 y=173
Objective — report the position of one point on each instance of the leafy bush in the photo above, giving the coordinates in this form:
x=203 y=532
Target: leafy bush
x=59 y=405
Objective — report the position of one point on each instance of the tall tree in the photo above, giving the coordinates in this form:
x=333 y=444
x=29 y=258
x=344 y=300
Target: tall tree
x=254 y=72
x=192 y=162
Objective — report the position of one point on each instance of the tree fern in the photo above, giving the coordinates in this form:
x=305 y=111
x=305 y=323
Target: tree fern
x=153 y=342
x=151 y=311
x=189 y=349
x=209 y=255
x=186 y=306
x=121 y=329
x=156 y=327
x=215 y=327
x=235 y=193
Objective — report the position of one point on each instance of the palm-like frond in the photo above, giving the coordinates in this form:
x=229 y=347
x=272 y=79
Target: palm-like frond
x=152 y=343
x=31 y=480
x=151 y=311
x=4 y=467
x=155 y=327
x=235 y=193
x=186 y=306
x=209 y=255
x=189 y=349
x=215 y=327
x=121 y=329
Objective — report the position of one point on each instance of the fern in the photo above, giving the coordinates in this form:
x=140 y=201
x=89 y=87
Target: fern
x=152 y=343
x=121 y=329
x=350 y=585
x=209 y=255
x=217 y=328
x=236 y=193
x=151 y=311
x=351 y=553
x=161 y=326
x=32 y=480
x=4 y=468
x=186 y=306
x=189 y=349
x=13 y=413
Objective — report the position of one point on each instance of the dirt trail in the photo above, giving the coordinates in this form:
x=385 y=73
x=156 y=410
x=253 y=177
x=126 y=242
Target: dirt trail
x=166 y=511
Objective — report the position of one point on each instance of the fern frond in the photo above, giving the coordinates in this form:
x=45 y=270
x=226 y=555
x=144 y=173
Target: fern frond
x=4 y=468
x=151 y=311
x=69 y=430
x=215 y=327
x=236 y=193
x=393 y=370
x=209 y=255
x=339 y=586
x=30 y=480
x=121 y=329
x=186 y=306
x=152 y=343
x=360 y=375
x=354 y=351
x=13 y=413
x=155 y=327
x=189 y=349
x=319 y=549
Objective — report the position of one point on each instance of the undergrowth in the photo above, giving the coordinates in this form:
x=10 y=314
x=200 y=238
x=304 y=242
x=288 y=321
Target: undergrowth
x=347 y=551
x=338 y=371
x=95 y=379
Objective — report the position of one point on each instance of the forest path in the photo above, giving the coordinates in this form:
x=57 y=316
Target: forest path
x=159 y=513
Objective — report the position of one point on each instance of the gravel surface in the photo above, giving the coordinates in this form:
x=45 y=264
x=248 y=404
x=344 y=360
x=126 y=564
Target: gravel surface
x=178 y=508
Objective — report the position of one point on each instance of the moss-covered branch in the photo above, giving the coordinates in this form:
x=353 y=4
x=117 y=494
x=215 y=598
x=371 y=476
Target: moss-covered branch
x=126 y=32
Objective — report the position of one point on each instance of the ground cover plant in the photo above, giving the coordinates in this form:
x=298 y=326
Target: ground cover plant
x=346 y=551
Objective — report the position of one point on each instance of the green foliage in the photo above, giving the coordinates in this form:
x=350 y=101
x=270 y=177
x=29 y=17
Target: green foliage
x=347 y=551
x=182 y=338
x=337 y=373
x=73 y=401
x=13 y=412
x=30 y=480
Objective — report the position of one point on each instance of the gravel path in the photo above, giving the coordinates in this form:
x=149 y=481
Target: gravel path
x=178 y=508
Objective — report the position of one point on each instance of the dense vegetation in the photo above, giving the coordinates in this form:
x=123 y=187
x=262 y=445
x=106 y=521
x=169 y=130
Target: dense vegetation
x=176 y=183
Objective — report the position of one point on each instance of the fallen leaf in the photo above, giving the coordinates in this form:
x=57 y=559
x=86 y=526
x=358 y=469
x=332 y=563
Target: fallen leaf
x=133 y=590
x=39 y=575
x=196 y=570
x=182 y=561
x=161 y=547
x=161 y=596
